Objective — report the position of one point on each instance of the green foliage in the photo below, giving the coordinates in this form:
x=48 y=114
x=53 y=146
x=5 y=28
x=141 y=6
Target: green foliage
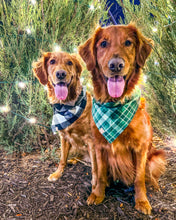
x=26 y=30
x=157 y=20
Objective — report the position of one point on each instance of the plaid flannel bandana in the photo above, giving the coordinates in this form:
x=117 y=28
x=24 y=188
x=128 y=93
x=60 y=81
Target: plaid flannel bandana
x=112 y=118
x=65 y=115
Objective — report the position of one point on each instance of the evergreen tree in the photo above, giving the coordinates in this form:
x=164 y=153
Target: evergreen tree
x=157 y=20
x=26 y=29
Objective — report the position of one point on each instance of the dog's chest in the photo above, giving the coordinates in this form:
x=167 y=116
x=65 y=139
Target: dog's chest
x=76 y=137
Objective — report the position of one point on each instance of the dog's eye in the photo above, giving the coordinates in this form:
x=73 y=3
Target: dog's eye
x=52 y=61
x=70 y=63
x=104 y=44
x=127 y=43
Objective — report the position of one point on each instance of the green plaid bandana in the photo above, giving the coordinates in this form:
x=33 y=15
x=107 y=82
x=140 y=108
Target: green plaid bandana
x=112 y=118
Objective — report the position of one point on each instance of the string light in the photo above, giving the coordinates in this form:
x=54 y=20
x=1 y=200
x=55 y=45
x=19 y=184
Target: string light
x=99 y=2
x=82 y=79
x=156 y=63
x=56 y=48
x=91 y=7
x=5 y=109
x=145 y=78
x=28 y=30
x=89 y=85
x=75 y=50
x=33 y=2
x=45 y=88
x=22 y=85
x=154 y=29
x=32 y=120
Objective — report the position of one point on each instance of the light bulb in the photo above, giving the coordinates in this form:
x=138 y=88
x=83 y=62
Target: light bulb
x=75 y=50
x=32 y=120
x=156 y=63
x=89 y=85
x=33 y=2
x=28 y=30
x=154 y=29
x=22 y=85
x=5 y=108
x=91 y=7
x=145 y=78
x=45 y=88
x=82 y=79
x=56 y=48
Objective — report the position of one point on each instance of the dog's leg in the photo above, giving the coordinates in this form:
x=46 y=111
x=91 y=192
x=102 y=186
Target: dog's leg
x=92 y=155
x=65 y=146
x=141 y=202
x=155 y=166
x=98 y=194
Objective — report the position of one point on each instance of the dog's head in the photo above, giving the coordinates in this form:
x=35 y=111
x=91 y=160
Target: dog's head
x=115 y=55
x=60 y=71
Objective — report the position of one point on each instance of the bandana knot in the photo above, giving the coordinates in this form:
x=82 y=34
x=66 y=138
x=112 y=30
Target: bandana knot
x=112 y=118
x=65 y=115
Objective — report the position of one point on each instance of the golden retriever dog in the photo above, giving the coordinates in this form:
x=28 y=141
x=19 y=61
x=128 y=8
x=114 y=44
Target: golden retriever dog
x=115 y=56
x=72 y=105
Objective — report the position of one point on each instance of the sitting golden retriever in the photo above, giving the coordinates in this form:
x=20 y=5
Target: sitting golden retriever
x=121 y=126
x=72 y=105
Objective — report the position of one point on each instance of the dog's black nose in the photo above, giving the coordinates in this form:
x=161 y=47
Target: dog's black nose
x=61 y=74
x=116 y=64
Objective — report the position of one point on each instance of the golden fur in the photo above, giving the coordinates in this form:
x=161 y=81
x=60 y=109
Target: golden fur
x=131 y=157
x=78 y=134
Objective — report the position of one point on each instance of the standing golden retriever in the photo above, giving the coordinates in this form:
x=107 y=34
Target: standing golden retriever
x=115 y=56
x=72 y=105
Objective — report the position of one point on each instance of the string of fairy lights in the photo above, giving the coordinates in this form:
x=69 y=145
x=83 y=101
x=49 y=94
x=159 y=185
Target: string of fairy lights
x=5 y=109
x=23 y=84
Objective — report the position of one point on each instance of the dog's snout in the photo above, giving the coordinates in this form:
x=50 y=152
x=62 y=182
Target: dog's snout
x=61 y=74
x=116 y=64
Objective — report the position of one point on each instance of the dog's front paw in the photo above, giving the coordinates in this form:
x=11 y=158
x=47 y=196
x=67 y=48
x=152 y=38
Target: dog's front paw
x=94 y=199
x=143 y=206
x=54 y=176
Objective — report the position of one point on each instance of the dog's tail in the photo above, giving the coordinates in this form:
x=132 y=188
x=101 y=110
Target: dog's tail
x=156 y=164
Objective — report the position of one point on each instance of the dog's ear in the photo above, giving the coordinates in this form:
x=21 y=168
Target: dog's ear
x=88 y=51
x=77 y=63
x=143 y=49
x=39 y=68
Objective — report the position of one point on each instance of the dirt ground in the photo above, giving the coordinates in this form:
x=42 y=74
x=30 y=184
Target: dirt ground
x=25 y=192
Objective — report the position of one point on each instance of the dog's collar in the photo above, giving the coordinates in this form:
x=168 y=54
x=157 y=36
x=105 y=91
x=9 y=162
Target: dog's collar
x=65 y=115
x=112 y=118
